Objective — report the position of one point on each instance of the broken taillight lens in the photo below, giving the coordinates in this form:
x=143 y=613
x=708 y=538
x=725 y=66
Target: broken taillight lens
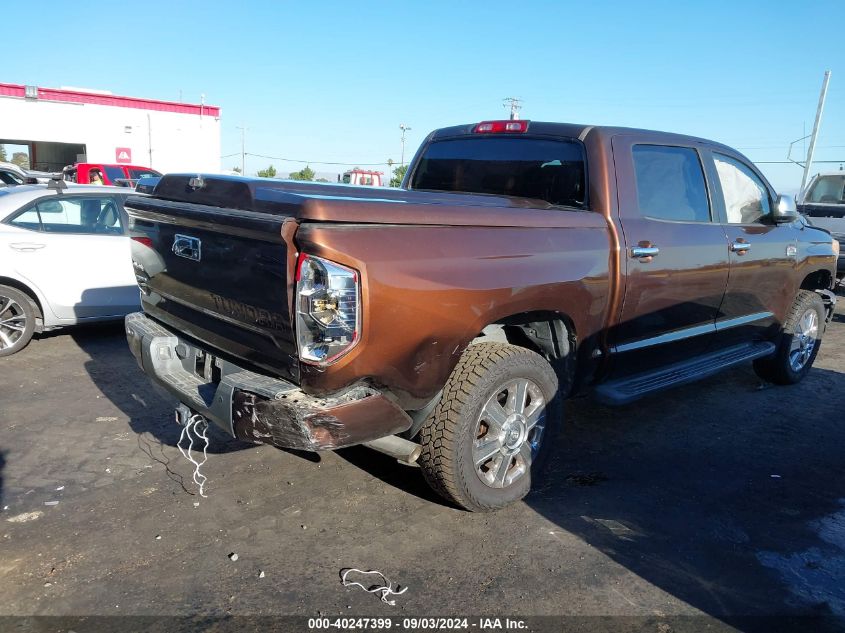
x=328 y=309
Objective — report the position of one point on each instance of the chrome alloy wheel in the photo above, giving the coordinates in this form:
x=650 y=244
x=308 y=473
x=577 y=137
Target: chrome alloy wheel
x=804 y=340
x=509 y=433
x=12 y=322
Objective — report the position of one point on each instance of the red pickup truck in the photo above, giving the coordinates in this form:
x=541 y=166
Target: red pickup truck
x=445 y=321
x=121 y=175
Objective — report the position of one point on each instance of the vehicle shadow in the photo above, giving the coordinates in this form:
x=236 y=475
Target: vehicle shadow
x=727 y=494
x=113 y=369
x=408 y=479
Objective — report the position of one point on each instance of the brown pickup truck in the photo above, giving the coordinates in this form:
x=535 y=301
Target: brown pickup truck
x=445 y=321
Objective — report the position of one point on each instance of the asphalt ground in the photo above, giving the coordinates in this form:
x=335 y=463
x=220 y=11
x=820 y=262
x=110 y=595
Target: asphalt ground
x=716 y=506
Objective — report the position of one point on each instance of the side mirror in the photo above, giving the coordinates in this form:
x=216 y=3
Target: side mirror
x=785 y=210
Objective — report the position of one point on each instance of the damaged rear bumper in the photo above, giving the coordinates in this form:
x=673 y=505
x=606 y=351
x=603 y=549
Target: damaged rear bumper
x=254 y=407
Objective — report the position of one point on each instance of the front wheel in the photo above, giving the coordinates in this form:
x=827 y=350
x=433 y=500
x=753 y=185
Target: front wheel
x=798 y=342
x=492 y=428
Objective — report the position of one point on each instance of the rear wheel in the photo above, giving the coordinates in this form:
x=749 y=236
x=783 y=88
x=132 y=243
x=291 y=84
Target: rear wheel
x=798 y=343
x=493 y=427
x=17 y=320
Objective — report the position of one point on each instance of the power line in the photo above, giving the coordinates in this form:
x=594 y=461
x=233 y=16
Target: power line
x=316 y=162
x=786 y=145
x=789 y=162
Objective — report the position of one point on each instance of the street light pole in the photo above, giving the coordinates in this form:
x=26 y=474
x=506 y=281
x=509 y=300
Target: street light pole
x=243 y=130
x=808 y=165
x=404 y=129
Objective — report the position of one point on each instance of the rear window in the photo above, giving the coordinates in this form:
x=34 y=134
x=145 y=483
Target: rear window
x=9 y=178
x=827 y=190
x=543 y=169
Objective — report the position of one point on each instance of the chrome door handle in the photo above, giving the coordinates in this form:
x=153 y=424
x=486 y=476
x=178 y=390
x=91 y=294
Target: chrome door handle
x=740 y=247
x=644 y=251
x=26 y=247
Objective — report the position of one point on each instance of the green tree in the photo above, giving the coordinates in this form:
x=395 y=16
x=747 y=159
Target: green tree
x=3 y=153
x=321 y=180
x=270 y=172
x=21 y=159
x=306 y=173
x=236 y=169
x=398 y=175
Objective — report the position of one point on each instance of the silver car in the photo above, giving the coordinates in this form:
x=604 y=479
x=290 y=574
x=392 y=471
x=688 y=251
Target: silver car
x=64 y=259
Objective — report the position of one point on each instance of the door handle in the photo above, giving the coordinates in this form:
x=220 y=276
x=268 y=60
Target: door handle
x=640 y=252
x=740 y=247
x=26 y=247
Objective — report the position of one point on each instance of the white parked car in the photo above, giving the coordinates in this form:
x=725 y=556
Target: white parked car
x=11 y=175
x=64 y=259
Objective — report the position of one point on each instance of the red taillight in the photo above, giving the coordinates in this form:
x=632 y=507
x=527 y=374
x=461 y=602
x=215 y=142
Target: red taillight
x=501 y=127
x=146 y=241
x=299 y=261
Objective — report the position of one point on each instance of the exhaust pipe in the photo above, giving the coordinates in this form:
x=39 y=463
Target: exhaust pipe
x=397 y=447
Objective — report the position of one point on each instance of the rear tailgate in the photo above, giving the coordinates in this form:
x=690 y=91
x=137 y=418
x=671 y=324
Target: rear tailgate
x=216 y=274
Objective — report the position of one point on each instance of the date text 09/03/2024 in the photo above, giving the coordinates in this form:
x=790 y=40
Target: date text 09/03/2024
x=416 y=624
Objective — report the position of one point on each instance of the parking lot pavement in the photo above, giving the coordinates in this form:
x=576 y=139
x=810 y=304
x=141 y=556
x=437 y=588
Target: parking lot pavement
x=723 y=499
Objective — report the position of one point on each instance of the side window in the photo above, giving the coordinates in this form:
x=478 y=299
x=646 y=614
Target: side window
x=27 y=219
x=746 y=197
x=670 y=183
x=9 y=178
x=96 y=216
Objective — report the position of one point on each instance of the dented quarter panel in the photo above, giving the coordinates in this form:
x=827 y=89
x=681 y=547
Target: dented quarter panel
x=427 y=291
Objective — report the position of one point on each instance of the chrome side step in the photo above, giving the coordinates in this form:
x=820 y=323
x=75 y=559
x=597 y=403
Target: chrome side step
x=628 y=389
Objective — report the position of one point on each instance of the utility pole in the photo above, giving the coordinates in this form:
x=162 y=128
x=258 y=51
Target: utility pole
x=150 y=139
x=243 y=130
x=404 y=129
x=515 y=105
x=816 y=125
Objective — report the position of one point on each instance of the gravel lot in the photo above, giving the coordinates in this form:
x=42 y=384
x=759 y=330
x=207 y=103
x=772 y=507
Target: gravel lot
x=723 y=500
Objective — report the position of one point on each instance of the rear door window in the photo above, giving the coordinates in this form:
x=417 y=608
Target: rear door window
x=27 y=220
x=541 y=169
x=670 y=183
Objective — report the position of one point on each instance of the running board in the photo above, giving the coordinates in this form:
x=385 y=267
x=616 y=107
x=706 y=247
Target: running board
x=631 y=388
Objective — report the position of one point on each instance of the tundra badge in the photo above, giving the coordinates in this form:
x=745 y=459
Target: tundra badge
x=187 y=247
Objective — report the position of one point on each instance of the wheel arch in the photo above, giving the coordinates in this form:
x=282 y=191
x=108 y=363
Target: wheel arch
x=550 y=334
x=28 y=291
x=818 y=280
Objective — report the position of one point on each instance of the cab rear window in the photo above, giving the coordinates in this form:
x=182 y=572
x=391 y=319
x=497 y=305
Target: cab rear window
x=541 y=169
x=114 y=173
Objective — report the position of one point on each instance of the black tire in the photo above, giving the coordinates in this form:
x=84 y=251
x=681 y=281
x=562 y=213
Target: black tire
x=486 y=371
x=15 y=310
x=779 y=367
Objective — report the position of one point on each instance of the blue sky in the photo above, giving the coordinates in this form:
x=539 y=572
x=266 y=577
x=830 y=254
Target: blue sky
x=332 y=81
